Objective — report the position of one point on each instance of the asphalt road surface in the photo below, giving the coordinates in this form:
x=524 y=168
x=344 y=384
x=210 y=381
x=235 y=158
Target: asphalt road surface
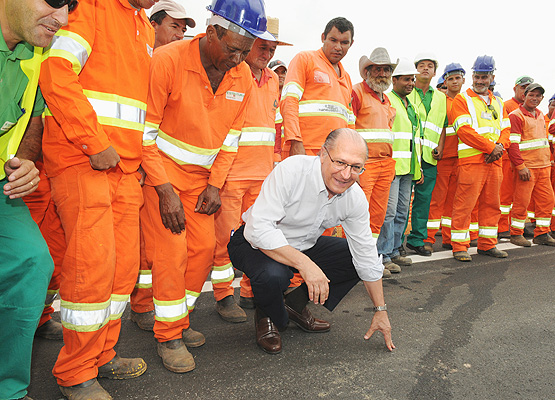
x=479 y=330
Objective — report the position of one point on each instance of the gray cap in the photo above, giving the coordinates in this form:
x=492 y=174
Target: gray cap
x=534 y=86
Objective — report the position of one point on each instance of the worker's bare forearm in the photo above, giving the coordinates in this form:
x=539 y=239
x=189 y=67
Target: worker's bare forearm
x=31 y=145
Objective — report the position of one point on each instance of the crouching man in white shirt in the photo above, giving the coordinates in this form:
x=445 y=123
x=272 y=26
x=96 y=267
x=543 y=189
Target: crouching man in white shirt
x=303 y=196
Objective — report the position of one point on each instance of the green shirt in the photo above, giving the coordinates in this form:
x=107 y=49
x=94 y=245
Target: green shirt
x=13 y=83
x=427 y=101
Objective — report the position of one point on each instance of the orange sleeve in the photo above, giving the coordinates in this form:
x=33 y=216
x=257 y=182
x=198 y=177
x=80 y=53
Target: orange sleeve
x=60 y=86
x=293 y=90
x=160 y=86
x=227 y=153
x=463 y=127
x=505 y=136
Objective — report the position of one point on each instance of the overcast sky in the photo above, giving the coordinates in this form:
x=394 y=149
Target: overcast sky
x=456 y=31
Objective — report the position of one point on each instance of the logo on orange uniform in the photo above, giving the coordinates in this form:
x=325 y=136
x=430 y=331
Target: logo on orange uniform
x=235 y=96
x=321 y=77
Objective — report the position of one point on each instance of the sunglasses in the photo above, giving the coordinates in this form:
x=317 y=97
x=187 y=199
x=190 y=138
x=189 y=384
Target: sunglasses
x=495 y=115
x=71 y=4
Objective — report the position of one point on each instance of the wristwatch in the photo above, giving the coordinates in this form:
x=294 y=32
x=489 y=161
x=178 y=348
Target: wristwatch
x=381 y=308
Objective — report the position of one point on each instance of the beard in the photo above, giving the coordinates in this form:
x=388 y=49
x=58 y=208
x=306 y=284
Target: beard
x=379 y=84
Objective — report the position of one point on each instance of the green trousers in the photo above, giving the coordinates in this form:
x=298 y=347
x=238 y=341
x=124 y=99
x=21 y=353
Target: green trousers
x=25 y=271
x=421 y=206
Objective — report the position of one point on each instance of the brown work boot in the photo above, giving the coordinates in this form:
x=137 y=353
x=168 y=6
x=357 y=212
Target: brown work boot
x=429 y=247
x=230 y=311
x=89 y=390
x=462 y=256
x=246 y=302
x=175 y=356
x=122 y=368
x=51 y=330
x=144 y=320
x=392 y=267
x=401 y=261
x=193 y=338
x=520 y=240
x=494 y=252
x=544 y=239
x=386 y=273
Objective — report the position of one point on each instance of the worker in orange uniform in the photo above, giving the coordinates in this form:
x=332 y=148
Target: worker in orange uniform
x=374 y=120
x=280 y=68
x=170 y=22
x=509 y=174
x=43 y=211
x=316 y=98
x=253 y=162
x=482 y=125
x=92 y=151
x=199 y=91
x=531 y=156
x=550 y=121
x=441 y=205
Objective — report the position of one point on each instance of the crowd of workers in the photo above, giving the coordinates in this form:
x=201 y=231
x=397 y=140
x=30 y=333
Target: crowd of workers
x=141 y=155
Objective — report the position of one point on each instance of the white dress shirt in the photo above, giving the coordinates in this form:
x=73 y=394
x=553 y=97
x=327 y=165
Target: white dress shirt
x=293 y=209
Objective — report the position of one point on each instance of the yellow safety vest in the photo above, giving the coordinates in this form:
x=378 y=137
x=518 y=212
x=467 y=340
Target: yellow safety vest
x=9 y=142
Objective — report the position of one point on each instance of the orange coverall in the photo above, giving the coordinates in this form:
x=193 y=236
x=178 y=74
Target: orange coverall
x=190 y=140
x=43 y=211
x=479 y=182
x=315 y=101
x=95 y=81
x=374 y=119
x=530 y=149
x=551 y=137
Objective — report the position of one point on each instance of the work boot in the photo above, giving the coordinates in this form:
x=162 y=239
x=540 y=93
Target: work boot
x=429 y=247
x=552 y=234
x=503 y=235
x=474 y=243
x=175 y=356
x=246 y=302
x=392 y=267
x=230 y=311
x=122 y=368
x=462 y=256
x=401 y=260
x=544 y=239
x=51 y=330
x=89 y=390
x=447 y=246
x=519 y=240
x=386 y=273
x=193 y=338
x=144 y=320
x=493 y=252
x=529 y=230
x=402 y=251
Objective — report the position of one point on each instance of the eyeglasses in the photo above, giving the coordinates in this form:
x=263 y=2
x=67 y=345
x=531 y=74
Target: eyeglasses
x=495 y=115
x=71 y=4
x=340 y=165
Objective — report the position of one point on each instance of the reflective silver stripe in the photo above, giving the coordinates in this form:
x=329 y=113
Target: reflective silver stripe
x=279 y=117
x=191 y=299
x=352 y=118
x=403 y=135
x=531 y=214
x=459 y=236
x=232 y=139
x=450 y=131
x=433 y=224
x=533 y=144
x=117 y=308
x=463 y=146
x=402 y=154
x=171 y=311
x=446 y=222
x=551 y=122
x=292 y=89
x=145 y=279
x=185 y=156
x=323 y=108
x=429 y=143
x=514 y=138
x=84 y=317
x=124 y=112
x=224 y=275
x=487 y=232
x=506 y=123
x=473 y=226
x=151 y=132
x=517 y=223
x=432 y=126
x=462 y=120
x=377 y=136
x=543 y=221
x=505 y=209
x=72 y=46
x=260 y=136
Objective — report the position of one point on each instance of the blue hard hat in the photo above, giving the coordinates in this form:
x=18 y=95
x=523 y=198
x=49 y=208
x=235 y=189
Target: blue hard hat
x=440 y=80
x=551 y=99
x=453 y=67
x=248 y=14
x=484 y=64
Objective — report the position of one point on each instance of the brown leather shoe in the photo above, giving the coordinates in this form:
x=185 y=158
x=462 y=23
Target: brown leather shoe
x=306 y=321
x=51 y=330
x=175 y=356
x=122 y=368
x=267 y=335
x=144 y=320
x=90 y=389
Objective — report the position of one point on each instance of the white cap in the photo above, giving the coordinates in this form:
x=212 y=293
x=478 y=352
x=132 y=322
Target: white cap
x=404 y=67
x=174 y=10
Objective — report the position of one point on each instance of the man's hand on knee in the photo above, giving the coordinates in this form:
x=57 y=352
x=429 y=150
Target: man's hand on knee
x=316 y=281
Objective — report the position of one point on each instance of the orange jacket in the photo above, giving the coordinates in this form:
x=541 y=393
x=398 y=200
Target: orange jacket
x=511 y=105
x=374 y=120
x=467 y=125
x=529 y=140
x=95 y=83
x=255 y=157
x=189 y=128
x=451 y=138
x=315 y=100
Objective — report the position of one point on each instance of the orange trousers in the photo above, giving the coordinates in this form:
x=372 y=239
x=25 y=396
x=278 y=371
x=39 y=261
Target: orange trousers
x=506 y=193
x=477 y=183
x=375 y=182
x=43 y=211
x=553 y=186
x=538 y=188
x=180 y=263
x=141 y=298
x=99 y=211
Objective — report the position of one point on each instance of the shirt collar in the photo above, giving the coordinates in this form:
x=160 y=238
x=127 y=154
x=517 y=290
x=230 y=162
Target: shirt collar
x=22 y=50
x=266 y=76
x=528 y=113
x=340 y=66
